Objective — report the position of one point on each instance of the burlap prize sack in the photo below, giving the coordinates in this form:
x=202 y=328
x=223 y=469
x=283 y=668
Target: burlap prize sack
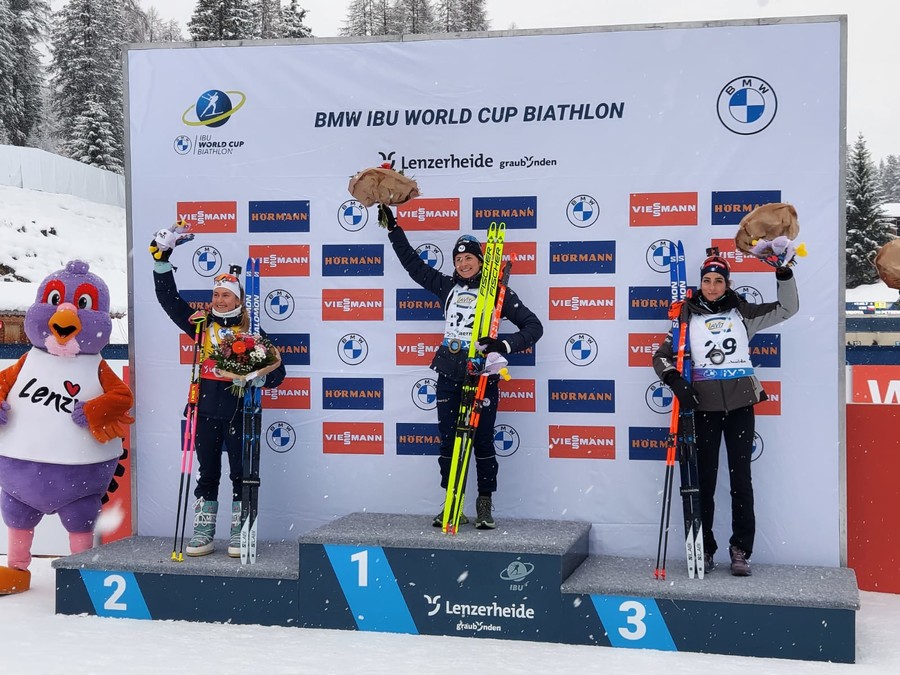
x=887 y=262
x=379 y=185
x=767 y=222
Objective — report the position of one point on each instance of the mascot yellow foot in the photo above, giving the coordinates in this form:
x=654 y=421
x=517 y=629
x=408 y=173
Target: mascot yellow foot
x=14 y=581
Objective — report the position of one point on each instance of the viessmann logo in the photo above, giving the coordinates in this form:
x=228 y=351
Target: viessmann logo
x=772 y=405
x=582 y=442
x=417 y=349
x=522 y=255
x=662 y=208
x=347 y=304
x=209 y=217
x=285 y=260
x=517 y=395
x=291 y=394
x=353 y=438
x=642 y=347
x=739 y=261
x=429 y=214
x=582 y=302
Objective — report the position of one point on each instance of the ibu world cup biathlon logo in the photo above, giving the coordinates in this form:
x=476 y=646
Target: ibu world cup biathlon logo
x=747 y=105
x=213 y=109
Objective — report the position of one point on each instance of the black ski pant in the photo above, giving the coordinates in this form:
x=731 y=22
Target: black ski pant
x=737 y=427
x=212 y=436
x=449 y=393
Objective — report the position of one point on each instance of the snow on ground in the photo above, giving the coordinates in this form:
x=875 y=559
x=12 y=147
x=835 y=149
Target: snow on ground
x=42 y=231
x=879 y=292
x=35 y=640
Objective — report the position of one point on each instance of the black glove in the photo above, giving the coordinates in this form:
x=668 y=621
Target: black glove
x=489 y=344
x=784 y=273
x=386 y=217
x=159 y=254
x=684 y=392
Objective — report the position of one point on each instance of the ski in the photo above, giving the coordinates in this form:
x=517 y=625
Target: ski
x=486 y=308
x=252 y=427
x=681 y=442
x=190 y=437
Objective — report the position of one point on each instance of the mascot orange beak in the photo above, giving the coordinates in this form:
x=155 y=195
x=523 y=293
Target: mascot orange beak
x=64 y=323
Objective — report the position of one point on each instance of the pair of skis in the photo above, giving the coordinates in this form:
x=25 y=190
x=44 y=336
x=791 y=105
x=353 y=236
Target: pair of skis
x=681 y=441
x=252 y=427
x=190 y=439
x=488 y=306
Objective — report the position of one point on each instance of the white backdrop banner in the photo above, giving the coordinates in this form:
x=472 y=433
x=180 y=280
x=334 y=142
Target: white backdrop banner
x=596 y=148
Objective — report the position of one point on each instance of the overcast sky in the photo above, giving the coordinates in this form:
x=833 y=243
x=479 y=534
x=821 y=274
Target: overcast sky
x=872 y=97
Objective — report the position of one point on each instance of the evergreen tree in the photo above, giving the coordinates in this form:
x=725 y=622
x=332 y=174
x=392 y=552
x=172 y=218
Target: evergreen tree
x=86 y=44
x=415 y=16
x=473 y=15
x=160 y=30
x=371 y=17
x=867 y=228
x=447 y=16
x=7 y=50
x=889 y=178
x=267 y=14
x=27 y=22
x=292 y=21
x=93 y=140
x=215 y=20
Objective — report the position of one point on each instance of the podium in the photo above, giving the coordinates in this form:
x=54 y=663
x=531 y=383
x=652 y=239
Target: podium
x=526 y=580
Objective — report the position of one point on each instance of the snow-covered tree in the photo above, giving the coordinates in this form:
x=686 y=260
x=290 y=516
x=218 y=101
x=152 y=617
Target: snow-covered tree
x=215 y=20
x=7 y=51
x=267 y=14
x=473 y=15
x=889 y=178
x=23 y=23
x=447 y=16
x=371 y=17
x=93 y=139
x=415 y=16
x=867 y=227
x=86 y=44
x=292 y=24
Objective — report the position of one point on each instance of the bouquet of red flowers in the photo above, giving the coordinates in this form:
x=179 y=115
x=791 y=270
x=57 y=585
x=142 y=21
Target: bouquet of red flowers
x=244 y=357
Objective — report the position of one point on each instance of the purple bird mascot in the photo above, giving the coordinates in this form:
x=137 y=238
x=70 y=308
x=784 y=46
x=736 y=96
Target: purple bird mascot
x=63 y=412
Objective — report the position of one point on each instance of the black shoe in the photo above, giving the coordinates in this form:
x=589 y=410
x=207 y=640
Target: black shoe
x=740 y=564
x=439 y=519
x=483 y=518
x=708 y=563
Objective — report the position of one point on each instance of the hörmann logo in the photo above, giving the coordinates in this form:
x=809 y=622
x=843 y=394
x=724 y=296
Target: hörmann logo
x=199 y=301
x=417 y=304
x=285 y=260
x=291 y=394
x=582 y=302
x=642 y=347
x=352 y=393
x=348 y=304
x=209 y=217
x=429 y=214
x=649 y=302
x=517 y=396
x=648 y=443
x=765 y=350
x=417 y=349
x=418 y=439
x=519 y=213
x=353 y=260
x=582 y=396
x=729 y=207
x=279 y=216
x=526 y=357
x=353 y=438
x=582 y=442
x=653 y=209
x=293 y=347
x=582 y=257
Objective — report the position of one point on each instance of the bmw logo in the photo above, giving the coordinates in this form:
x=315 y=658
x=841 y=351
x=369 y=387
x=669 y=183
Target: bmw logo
x=659 y=398
x=659 y=255
x=506 y=440
x=352 y=215
x=581 y=349
x=431 y=255
x=207 y=261
x=281 y=437
x=583 y=211
x=747 y=105
x=424 y=394
x=353 y=349
x=758 y=447
x=182 y=145
x=749 y=294
x=279 y=305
